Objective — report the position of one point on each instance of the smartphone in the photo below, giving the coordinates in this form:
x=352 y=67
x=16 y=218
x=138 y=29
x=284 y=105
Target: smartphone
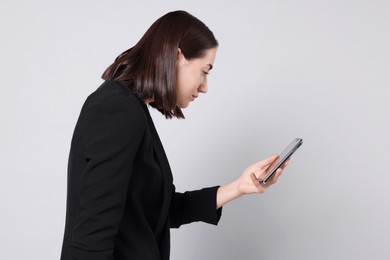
x=283 y=157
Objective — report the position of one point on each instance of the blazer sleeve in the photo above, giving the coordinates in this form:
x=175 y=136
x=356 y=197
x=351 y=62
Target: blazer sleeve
x=191 y=206
x=110 y=132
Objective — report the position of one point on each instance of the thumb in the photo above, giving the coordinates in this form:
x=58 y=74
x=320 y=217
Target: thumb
x=266 y=162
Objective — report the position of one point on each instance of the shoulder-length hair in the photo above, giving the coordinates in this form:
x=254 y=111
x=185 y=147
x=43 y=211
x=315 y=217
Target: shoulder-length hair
x=149 y=67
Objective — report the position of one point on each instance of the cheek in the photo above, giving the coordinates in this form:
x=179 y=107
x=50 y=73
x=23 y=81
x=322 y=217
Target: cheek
x=181 y=89
x=187 y=82
x=194 y=80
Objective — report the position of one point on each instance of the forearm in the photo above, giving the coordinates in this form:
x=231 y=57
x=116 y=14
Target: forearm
x=191 y=206
x=228 y=193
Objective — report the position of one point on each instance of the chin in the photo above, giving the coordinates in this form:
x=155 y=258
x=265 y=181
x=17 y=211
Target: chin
x=181 y=105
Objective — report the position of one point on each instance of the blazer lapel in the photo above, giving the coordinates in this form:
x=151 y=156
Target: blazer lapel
x=167 y=173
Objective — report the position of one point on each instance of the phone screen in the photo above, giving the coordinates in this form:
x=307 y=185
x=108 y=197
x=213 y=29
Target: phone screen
x=290 y=149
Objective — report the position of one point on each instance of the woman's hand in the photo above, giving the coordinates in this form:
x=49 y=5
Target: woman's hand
x=249 y=181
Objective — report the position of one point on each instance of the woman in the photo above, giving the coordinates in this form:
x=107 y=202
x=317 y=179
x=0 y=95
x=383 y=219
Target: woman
x=121 y=198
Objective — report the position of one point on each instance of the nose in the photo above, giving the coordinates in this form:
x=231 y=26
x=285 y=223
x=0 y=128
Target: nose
x=203 y=87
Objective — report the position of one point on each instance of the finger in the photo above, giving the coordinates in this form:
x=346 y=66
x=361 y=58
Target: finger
x=285 y=164
x=274 y=178
x=255 y=180
x=263 y=173
x=260 y=172
x=266 y=162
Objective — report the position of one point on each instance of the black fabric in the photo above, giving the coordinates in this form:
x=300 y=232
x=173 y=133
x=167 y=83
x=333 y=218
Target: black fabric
x=121 y=199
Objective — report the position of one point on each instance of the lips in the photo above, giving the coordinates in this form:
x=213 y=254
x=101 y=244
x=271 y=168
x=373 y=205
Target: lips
x=193 y=97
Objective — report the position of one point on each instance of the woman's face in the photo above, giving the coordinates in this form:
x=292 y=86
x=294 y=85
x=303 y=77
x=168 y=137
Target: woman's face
x=191 y=76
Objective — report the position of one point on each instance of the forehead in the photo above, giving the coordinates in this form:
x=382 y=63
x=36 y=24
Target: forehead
x=208 y=58
x=210 y=54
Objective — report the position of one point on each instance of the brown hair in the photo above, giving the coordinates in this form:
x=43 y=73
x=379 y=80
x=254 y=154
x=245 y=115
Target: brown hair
x=149 y=68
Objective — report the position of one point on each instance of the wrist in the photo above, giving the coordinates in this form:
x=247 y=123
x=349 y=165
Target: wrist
x=236 y=189
x=227 y=193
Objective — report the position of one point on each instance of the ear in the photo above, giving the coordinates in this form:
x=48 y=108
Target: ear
x=178 y=54
x=180 y=57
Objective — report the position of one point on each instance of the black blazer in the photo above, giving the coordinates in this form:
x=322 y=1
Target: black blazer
x=121 y=199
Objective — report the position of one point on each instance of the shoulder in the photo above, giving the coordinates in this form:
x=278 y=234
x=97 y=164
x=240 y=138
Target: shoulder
x=115 y=99
x=112 y=108
x=111 y=92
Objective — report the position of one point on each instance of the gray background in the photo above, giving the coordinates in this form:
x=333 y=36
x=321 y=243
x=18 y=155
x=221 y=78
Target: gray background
x=312 y=69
